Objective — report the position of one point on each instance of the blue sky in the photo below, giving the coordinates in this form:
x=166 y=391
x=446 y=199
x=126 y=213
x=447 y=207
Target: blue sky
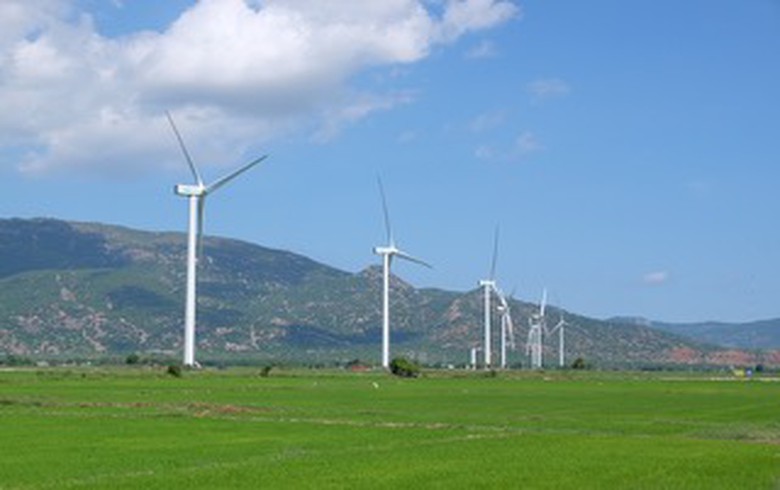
x=628 y=150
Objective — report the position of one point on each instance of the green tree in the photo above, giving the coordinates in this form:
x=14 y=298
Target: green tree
x=403 y=367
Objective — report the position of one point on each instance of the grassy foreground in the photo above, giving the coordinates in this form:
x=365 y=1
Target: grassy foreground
x=234 y=429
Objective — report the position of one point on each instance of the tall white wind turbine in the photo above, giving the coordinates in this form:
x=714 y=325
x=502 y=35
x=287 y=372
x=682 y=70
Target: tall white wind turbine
x=196 y=193
x=534 y=344
x=387 y=253
x=488 y=286
x=507 y=328
x=561 y=346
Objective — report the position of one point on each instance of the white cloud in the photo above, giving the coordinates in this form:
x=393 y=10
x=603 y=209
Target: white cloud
x=462 y=16
x=483 y=50
x=523 y=146
x=527 y=143
x=548 y=88
x=256 y=69
x=655 y=278
x=487 y=121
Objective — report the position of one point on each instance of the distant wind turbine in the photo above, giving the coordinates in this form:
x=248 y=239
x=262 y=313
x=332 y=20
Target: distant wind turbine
x=196 y=193
x=507 y=328
x=534 y=344
x=387 y=253
x=560 y=328
x=488 y=286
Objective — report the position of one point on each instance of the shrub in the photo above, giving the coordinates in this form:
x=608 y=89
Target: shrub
x=578 y=363
x=400 y=366
x=266 y=371
x=174 y=370
x=132 y=359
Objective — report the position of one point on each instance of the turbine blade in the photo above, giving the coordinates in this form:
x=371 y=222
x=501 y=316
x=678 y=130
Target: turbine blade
x=495 y=255
x=544 y=302
x=510 y=329
x=388 y=228
x=501 y=297
x=187 y=157
x=224 y=180
x=406 y=256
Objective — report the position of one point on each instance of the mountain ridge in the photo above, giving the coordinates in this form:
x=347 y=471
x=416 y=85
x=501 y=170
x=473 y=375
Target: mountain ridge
x=97 y=289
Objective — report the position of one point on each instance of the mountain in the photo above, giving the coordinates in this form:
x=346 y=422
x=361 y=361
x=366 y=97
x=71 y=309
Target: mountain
x=764 y=334
x=84 y=289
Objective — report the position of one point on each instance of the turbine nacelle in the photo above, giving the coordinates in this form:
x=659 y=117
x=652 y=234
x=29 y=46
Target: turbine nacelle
x=386 y=250
x=188 y=190
x=487 y=283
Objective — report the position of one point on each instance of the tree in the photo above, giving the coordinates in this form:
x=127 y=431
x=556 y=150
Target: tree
x=578 y=363
x=403 y=367
x=174 y=370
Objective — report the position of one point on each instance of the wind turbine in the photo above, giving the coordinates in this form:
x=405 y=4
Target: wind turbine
x=488 y=285
x=536 y=324
x=560 y=328
x=507 y=328
x=196 y=193
x=387 y=253
x=473 y=352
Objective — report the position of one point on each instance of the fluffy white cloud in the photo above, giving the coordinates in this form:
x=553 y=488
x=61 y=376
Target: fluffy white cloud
x=244 y=69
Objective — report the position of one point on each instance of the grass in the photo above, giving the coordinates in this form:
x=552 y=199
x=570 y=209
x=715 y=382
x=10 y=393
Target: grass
x=135 y=428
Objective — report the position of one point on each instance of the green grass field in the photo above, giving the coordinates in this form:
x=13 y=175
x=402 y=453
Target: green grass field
x=134 y=428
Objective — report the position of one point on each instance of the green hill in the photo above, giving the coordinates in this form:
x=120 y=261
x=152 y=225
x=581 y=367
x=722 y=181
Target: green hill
x=84 y=289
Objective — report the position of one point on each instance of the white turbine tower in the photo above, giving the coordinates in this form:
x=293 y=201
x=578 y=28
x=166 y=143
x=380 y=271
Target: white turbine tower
x=534 y=344
x=387 y=253
x=196 y=193
x=560 y=328
x=507 y=328
x=488 y=286
x=473 y=352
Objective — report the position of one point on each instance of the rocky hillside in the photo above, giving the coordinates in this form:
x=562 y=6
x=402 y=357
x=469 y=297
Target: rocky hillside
x=82 y=289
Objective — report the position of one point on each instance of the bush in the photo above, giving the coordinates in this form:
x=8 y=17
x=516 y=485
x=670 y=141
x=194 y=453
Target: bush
x=400 y=366
x=174 y=370
x=578 y=363
x=132 y=359
x=266 y=371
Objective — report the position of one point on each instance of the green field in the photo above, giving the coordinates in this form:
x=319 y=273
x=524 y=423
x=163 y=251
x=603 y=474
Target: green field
x=135 y=428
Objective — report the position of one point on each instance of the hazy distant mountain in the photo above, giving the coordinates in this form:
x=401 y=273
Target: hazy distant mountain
x=80 y=289
x=763 y=334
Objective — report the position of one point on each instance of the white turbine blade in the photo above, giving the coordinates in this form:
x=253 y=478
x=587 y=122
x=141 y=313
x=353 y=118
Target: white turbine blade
x=186 y=153
x=495 y=255
x=386 y=213
x=544 y=302
x=501 y=298
x=403 y=255
x=510 y=329
x=224 y=180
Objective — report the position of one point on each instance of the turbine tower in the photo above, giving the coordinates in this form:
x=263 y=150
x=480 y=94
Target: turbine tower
x=560 y=328
x=387 y=253
x=507 y=328
x=488 y=285
x=536 y=325
x=196 y=193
